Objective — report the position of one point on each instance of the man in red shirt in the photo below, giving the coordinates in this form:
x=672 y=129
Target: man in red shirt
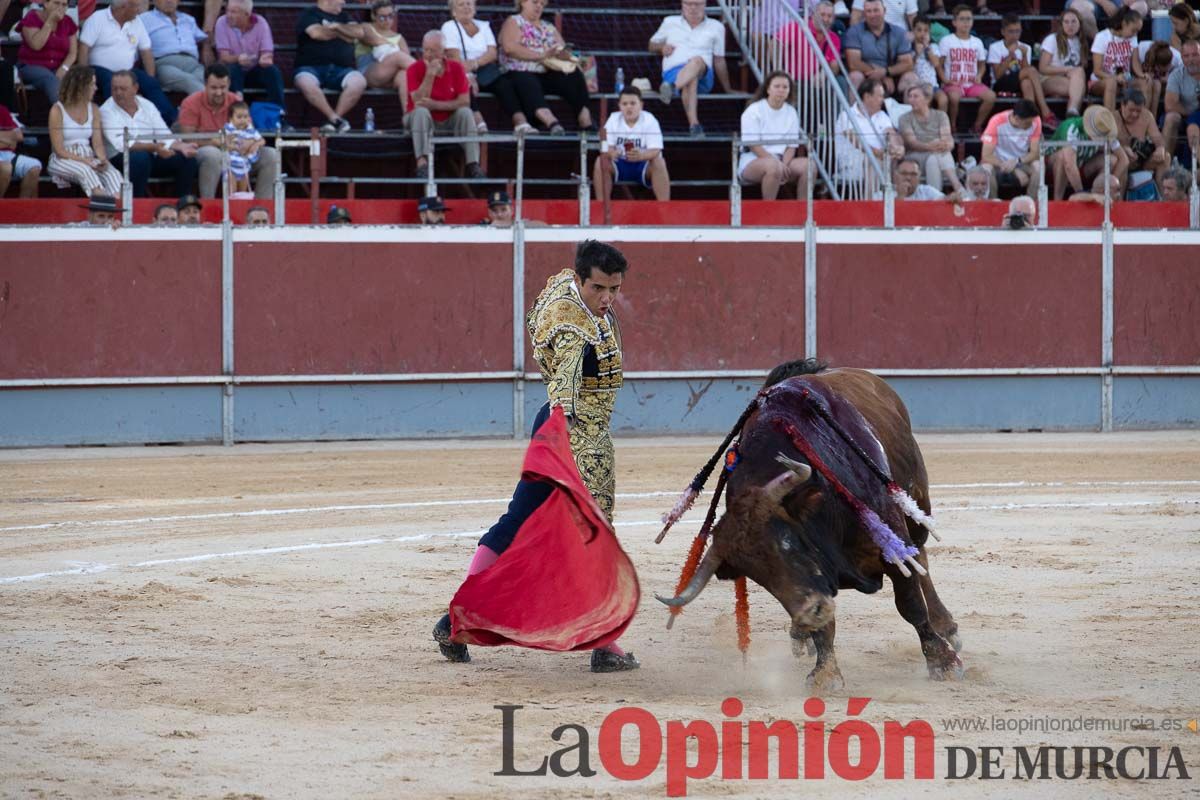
x=207 y=111
x=439 y=102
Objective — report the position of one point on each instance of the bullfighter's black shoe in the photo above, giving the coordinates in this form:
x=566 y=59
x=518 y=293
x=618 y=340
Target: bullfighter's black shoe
x=453 y=651
x=608 y=661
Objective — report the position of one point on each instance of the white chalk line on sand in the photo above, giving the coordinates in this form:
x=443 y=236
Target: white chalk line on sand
x=91 y=568
x=280 y=512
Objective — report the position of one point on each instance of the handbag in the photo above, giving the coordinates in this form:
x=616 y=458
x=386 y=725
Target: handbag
x=486 y=75
x=559 y=64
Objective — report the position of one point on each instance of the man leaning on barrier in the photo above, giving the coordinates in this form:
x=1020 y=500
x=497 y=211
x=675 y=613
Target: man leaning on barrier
x=439 y=102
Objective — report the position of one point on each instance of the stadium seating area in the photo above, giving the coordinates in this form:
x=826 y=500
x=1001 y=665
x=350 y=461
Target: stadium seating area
x=616 y=32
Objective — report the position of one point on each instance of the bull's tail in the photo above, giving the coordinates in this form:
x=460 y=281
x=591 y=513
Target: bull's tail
x=697 y=485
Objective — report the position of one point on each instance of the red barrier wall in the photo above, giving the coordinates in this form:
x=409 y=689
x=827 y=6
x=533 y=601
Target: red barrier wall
x=959 y=306
x=643 y=212
x=1156 y=305
x=69 y=310
x=698 y=305
x=323 y=308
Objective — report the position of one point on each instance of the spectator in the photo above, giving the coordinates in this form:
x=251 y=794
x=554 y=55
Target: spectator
x=439 y=101
x=928 y=139
x=1012 y=148
x=771 y=121
x=244 y=146
x=1139 y=135
x=189 y=210
x=899 y=13
x=208 y=112
x=1062 y=60
x=247 y=49
x=1183 y=25
x=803 y=64
x=258 y=217
x=24 y=169
x=866 y=129
x=1096 y=195
x=1022 y=213
x=102 y=208
x=338 y=216
x=77 y=153
x=1013 y=72
x=927 y=62
x=382 y=53
x=165 y=216
x=472 y=42
x=906 y=178
x=49 y=47
x=1158 y=59
x=174 y=37
x=879 y=50
x=1181 y=102
x=526 y=42
x=500 y=210
x=631 y=146
x=432 y=210
x=325 y=38
x=693 y=51
x=1113 y=65
x=115 y=39
x=1075 y=163
x=977 y=184
x=963 y=63
x=126 y=110
x=1175 y=185
x=1095 y=13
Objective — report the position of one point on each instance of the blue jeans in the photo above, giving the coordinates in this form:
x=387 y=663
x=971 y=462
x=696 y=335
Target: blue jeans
x=148 y=87
x=143 y=164
x=40 y=78
x=526 y=499
x=269 y=79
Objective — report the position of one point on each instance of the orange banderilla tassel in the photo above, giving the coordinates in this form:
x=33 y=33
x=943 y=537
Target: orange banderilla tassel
x=742 y=612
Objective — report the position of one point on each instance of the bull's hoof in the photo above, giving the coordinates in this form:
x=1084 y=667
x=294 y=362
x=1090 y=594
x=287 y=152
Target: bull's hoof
x=803 y=645
x=955 y=642
x=949 y=670
x=453 y=651
x=825 y=679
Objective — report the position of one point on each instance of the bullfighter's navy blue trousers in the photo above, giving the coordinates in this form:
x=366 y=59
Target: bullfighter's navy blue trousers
x=526 y=499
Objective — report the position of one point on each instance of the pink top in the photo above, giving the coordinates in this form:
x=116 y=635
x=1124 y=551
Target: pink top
x=540 y=35
x=56 y=48
x=253 y=42
x=804 y=62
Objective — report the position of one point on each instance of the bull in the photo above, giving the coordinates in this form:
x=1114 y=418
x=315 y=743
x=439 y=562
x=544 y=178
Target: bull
x=789 y=529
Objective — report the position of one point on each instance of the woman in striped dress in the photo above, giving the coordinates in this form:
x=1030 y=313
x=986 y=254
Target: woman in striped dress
x=78 y=155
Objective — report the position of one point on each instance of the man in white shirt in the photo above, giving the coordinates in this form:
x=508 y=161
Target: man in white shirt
x=125 y=110
x=900 y=13
x=115 y=39
x=693 y=51
x=906 y=178
x=631 y=148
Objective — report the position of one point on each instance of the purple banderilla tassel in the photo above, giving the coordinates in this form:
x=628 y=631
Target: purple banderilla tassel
x=891 y=546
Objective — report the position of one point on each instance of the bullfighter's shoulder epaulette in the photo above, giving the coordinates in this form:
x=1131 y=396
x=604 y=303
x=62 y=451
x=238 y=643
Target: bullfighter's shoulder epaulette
x=558 y=309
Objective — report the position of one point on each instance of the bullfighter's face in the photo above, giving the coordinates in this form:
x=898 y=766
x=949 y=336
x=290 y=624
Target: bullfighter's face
x=599 y=291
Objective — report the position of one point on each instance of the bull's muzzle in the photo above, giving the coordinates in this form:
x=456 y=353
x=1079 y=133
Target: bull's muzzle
x=815 y=612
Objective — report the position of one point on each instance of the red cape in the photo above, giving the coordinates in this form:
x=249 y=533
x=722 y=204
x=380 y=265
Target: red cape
x=564 y=583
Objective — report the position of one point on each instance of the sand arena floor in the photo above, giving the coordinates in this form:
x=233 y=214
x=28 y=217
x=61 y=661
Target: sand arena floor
x=255 y=621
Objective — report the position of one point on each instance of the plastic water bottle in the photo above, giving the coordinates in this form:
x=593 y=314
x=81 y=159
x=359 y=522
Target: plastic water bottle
x=619 y=84
x=369 y=125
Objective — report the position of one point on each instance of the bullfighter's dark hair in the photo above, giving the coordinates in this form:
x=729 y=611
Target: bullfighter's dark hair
x=604 y=257
x=790 y=369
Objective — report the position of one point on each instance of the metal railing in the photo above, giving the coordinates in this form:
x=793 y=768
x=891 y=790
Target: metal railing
x=824 y=99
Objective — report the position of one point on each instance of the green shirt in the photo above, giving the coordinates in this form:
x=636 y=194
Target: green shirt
x=1071 y=130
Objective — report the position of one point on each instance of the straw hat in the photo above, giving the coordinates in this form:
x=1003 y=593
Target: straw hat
x=1099 y=123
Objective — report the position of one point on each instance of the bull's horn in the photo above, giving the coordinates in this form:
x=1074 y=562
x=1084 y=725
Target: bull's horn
x=783 y=483
x=708 y=567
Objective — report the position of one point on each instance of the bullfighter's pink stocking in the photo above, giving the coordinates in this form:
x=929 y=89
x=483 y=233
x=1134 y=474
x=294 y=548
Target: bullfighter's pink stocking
x=484 y=557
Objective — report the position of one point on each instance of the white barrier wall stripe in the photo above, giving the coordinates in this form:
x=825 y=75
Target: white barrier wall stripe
x=96 y=568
